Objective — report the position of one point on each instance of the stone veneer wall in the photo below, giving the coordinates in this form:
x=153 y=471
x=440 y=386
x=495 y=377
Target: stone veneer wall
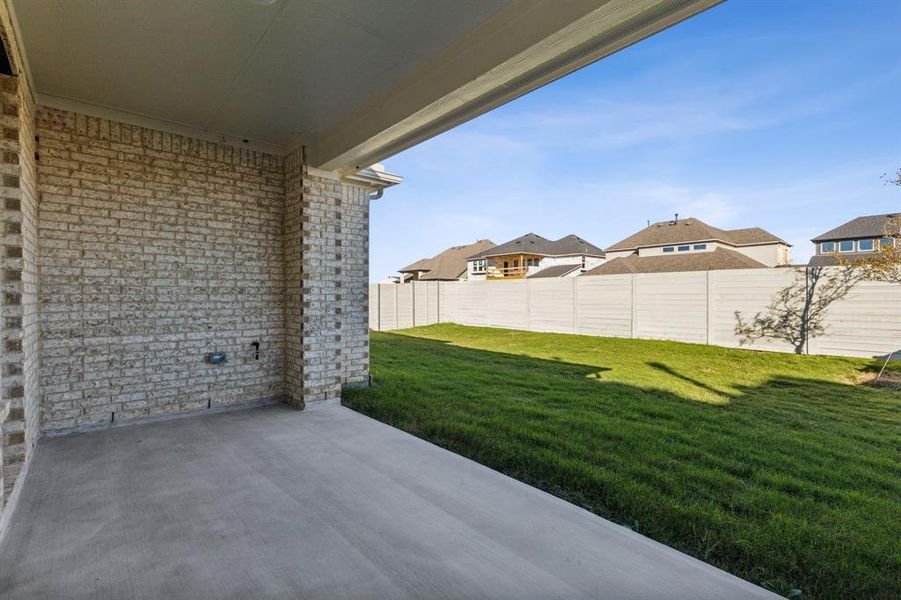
x=156 y=249
x=19 y=326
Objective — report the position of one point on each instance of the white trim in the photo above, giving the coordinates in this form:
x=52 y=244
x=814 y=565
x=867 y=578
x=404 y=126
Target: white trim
x=853 y=246
x=322 y=173
x=700 y=241
x=113 y=114
x=871 y=240
x=374 y=177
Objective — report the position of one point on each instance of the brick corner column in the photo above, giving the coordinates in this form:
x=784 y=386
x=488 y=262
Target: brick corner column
x=327 y=267
x=19 y=397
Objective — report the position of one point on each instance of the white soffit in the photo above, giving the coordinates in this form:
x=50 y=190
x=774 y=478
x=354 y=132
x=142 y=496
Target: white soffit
x=353 y=80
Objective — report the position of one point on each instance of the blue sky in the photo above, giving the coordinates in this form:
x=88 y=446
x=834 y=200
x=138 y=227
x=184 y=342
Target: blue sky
x=776 y=114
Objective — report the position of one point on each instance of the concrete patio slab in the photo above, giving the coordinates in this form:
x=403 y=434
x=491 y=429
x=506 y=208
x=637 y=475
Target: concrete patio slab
x=326 y=503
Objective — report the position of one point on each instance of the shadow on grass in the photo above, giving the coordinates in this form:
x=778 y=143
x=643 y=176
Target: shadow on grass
x=792 y=481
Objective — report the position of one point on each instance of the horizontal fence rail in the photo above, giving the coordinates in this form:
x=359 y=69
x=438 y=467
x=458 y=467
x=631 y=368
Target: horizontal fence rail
x=697 y=307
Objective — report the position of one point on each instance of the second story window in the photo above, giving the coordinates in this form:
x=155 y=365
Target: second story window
x=846 y=246
x=684 y=248
x=865 y=245
x=886 y=242
x=827 y=247
x=700 y=246
x=668 y=249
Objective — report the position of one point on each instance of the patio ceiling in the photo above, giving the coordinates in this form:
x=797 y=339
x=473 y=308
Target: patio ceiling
x=352 y=81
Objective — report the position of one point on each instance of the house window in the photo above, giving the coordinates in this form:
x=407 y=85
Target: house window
x=700 y=246
x=865 y=245
x=886 y=242
x=684 y=248
x=846 y=246
x=583 y=263
x=827 y=247
x=478 y=266
x=668 y=249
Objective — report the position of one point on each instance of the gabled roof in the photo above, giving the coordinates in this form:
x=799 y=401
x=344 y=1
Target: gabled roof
x=448 y=265
x=694 y=230
x=719 y=259
x=532 y=243
x=555 y=271
x=861 y=227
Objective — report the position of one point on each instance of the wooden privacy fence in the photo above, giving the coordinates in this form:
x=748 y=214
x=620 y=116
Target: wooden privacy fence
x=698 y=307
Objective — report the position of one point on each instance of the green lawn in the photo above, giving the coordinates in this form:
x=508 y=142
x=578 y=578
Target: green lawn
x=775 y=467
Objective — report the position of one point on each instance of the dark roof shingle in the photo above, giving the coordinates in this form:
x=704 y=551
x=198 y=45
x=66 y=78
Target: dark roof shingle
x=861 y=227
x=694 y=230
x=555 y=271
x=532 y=243
x=719 y=259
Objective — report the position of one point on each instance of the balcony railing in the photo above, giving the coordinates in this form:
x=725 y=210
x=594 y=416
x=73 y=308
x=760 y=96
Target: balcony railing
x=508 y=272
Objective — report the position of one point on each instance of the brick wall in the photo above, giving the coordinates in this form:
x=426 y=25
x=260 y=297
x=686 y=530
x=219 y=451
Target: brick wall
x=143 y=251
x=355 y=286
x=322 y=286
x=156 y=249
x=19 y=327
x=293 y=248
x=19 y=391
x=327 y=265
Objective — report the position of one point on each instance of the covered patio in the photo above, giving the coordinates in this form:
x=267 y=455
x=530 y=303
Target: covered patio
x=185 y=219
x=325 y=503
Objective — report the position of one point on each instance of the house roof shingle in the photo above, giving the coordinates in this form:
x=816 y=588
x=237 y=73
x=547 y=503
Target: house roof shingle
x=555 y=271
x=861 y=227
x=719 y=259
x=532 y=243
x=448 y=265
x=694 y=230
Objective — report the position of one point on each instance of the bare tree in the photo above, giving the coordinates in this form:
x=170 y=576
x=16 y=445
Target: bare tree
x=798 y=311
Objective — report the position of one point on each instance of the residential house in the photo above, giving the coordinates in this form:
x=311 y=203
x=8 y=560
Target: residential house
x=855 y=239
x=531 y=255
x=450 y=265
x=692 y=245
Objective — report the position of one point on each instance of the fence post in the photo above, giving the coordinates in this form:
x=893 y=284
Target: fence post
x=805 y=330
x=528 y=305
x=709 y=307
x=378 y=296
x=633 y=327
x=575 y=304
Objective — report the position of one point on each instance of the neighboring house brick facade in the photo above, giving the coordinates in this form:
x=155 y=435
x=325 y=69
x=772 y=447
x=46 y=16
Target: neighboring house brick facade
x=531 y=255
x=858 y=238
x=692 y=245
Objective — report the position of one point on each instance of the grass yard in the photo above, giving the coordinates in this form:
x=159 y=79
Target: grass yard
x=775 y=467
